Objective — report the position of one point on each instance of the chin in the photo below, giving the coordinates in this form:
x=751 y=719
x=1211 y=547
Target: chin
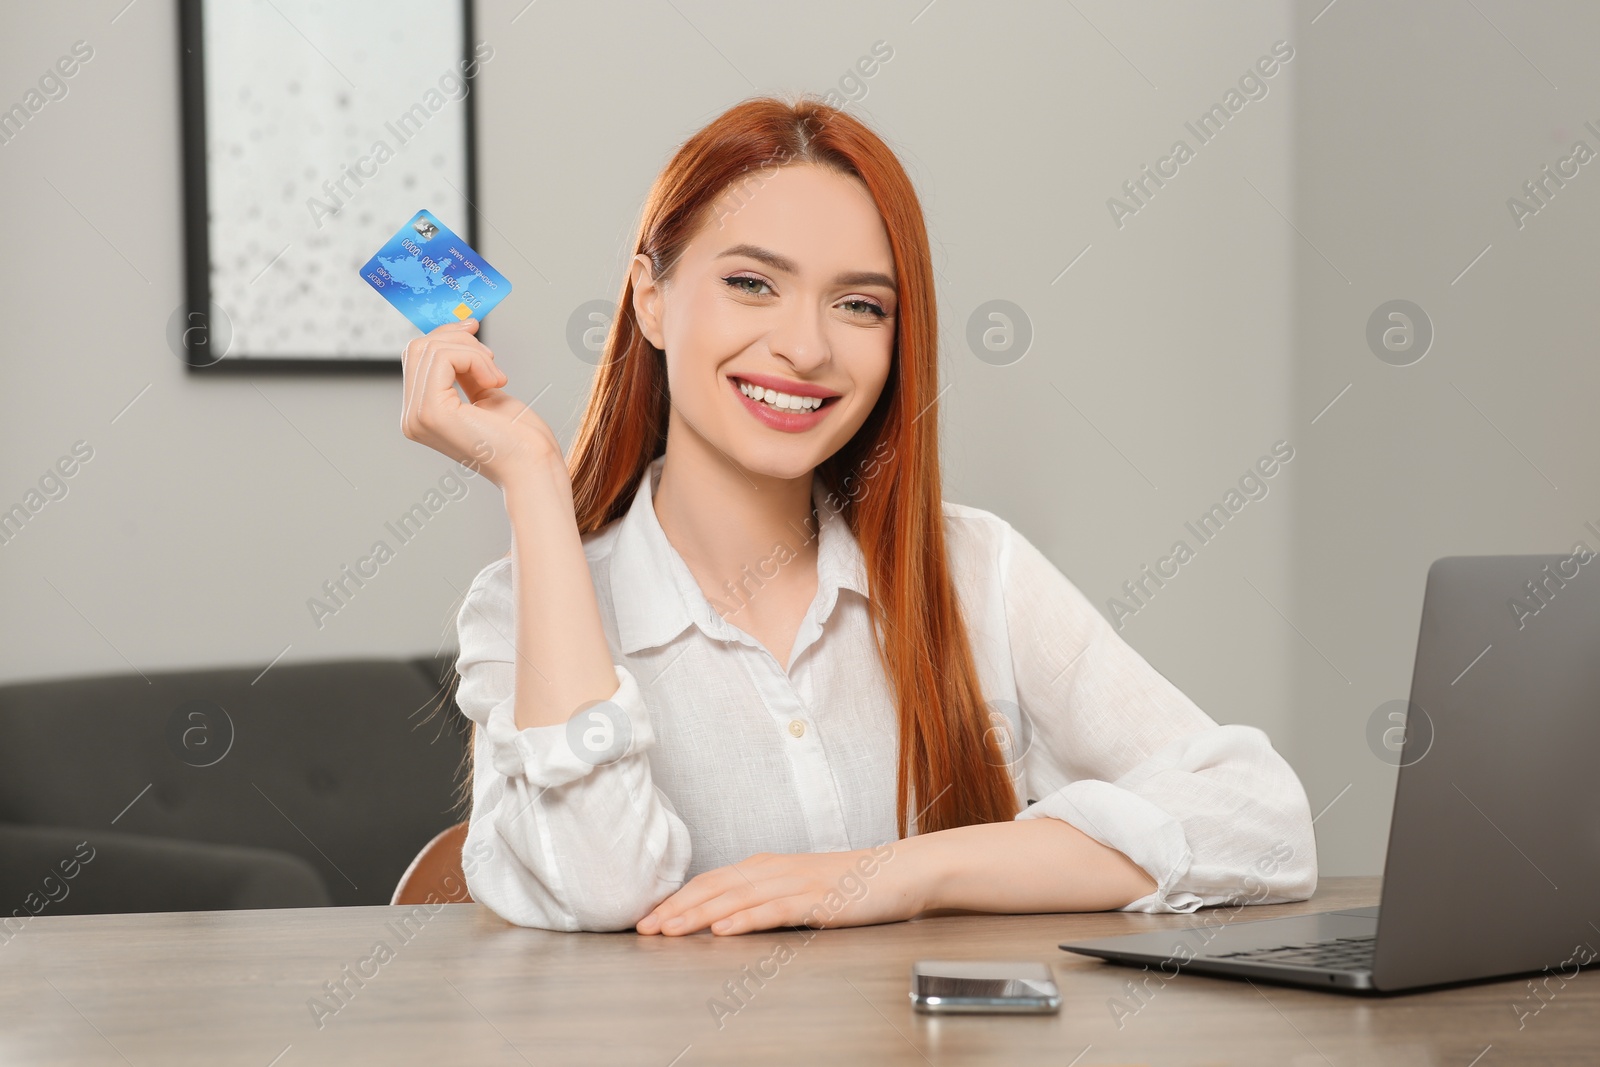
x=781 y=461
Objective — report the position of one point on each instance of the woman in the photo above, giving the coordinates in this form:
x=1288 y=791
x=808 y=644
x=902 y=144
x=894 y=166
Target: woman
x=741 y=649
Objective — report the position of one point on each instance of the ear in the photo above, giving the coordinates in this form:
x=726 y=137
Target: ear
x=647 y=300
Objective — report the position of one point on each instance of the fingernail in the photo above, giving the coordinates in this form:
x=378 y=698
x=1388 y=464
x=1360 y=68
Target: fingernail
x=672 y=924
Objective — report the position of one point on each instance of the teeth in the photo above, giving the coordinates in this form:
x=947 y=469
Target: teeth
x=781 y=401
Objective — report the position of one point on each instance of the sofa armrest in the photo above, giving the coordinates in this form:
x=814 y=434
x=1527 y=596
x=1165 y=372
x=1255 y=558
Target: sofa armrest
x=51 y=870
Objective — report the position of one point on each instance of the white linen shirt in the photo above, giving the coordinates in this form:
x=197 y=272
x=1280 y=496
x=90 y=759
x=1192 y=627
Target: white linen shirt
x=721 y=753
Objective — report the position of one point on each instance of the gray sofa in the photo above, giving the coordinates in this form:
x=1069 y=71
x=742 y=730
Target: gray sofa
x=308 y=785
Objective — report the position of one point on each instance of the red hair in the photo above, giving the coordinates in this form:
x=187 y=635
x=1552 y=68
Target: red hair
x=949 y=762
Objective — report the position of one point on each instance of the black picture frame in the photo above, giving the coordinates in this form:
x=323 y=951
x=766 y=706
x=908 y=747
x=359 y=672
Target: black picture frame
x=193 y=333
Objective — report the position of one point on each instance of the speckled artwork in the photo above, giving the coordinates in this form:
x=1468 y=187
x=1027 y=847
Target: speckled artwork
x=328 y=124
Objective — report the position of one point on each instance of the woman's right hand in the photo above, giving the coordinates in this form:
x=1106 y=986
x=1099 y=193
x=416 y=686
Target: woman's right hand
x=493 y=433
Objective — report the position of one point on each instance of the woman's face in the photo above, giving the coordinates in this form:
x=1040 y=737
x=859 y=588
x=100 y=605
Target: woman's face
x=789 y=288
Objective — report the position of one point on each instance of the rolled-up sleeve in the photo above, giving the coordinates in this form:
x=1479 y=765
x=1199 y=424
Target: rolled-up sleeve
x=568 y=827
x=1212 y=813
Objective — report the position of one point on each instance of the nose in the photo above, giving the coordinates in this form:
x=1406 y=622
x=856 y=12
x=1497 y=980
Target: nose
x=799 y=338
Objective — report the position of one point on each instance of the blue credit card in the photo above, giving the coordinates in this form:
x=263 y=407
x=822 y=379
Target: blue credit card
x=433 y=276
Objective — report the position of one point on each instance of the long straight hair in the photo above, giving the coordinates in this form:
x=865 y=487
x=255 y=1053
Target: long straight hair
x=950 y=762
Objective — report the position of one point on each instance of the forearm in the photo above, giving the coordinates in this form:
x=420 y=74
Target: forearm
x=563 y=661
x=1031 y=865
x=598 y=853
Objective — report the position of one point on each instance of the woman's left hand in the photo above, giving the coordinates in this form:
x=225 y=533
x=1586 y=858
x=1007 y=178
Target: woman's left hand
x=817 y=889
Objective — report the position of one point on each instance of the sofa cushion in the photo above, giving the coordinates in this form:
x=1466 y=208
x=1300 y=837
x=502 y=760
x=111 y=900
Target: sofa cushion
x=348 y=764
x=51 y=870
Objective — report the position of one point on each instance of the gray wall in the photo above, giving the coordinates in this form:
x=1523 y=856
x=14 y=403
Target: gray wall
x=1416 y=123
x=1179 y=347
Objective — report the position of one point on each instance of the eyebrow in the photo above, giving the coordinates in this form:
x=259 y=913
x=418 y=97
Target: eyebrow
x=788 y=266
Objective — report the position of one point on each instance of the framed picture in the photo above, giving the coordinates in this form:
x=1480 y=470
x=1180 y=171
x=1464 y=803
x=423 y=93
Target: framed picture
x=312 y=131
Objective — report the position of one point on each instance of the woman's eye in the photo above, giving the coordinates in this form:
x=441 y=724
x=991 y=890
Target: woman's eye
x=740 y=281
x=864 y=307
x=759 y=287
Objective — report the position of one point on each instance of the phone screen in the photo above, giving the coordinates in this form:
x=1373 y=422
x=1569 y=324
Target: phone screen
x=983 y=985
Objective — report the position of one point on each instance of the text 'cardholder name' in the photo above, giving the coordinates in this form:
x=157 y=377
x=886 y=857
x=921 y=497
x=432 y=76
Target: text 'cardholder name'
x=432 y=276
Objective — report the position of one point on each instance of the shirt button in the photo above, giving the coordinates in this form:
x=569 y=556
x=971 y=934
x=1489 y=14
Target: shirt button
x=796 y=727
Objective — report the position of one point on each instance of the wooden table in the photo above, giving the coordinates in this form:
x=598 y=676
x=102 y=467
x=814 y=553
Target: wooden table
x=462 y=987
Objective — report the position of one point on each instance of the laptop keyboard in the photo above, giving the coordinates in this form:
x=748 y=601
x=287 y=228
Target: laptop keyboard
x=1339 y=954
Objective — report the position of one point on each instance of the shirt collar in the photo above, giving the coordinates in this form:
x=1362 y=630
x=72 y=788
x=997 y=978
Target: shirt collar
x=654 y=595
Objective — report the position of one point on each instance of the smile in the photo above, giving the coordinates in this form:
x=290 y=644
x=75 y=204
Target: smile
x=782 y=411
x=780 y=400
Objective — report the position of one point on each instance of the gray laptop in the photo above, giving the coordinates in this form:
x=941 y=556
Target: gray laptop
x=1493 y=866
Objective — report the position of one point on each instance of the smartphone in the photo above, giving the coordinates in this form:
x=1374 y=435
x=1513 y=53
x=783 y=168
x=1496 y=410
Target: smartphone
x=939 y=986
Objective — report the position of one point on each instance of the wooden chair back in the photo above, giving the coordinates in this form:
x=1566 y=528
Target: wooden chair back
x=435 y=876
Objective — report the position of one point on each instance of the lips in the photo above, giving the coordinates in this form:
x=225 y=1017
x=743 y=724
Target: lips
x=786 y=385
x=787 y=420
